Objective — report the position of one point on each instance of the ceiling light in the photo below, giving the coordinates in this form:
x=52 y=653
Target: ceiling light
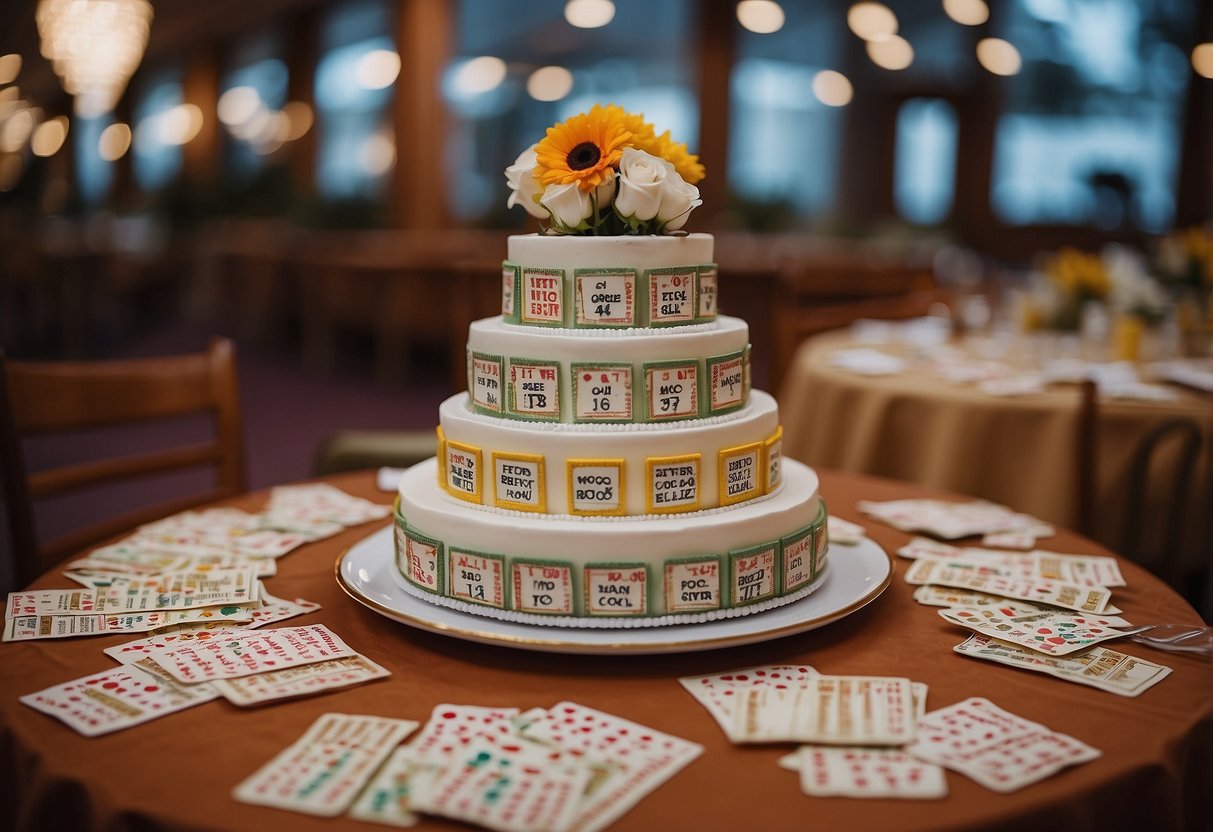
x=872 y=21
x=760 y=16
x=998 y=56
x=589 y=14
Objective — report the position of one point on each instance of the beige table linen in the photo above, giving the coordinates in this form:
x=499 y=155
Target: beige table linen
x=1018 y=451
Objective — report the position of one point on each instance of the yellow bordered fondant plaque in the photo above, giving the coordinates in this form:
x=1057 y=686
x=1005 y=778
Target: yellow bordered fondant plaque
x=672 y=483
x=602 y=392
x=596 y=486
x=739 y=473
x=672 y=295
x=671 y=390
x=509 y=289
x=707 y=291
x=619 y=589
x=535 y=388
x=798 y=549
x=605 y=297
x=752 y=573
x=486 y=383
x=518 y=482
x=542 y=300
x=726 y=382
x=464 y=471
x=423 y=561
x=772 y=460
x=476 y=577
x=692 y=584
x=441 y=435
x=544 y=587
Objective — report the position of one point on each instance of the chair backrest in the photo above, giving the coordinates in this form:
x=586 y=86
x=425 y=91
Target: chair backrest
x=49 y=397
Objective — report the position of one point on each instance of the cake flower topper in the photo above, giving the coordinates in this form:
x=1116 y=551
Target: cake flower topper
x=606 y=172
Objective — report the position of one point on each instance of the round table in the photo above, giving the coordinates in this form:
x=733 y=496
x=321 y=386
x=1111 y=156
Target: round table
x=178 y=772
x=1019 y=451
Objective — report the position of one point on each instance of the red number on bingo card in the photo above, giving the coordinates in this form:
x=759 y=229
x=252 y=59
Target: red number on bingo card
x=614 y=576
x=637 y=576
x=549 y=572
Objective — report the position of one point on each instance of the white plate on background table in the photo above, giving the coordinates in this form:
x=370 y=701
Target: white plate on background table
x=857 y=575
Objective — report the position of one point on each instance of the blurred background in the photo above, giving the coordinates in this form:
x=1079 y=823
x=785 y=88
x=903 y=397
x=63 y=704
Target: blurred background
x=322 y=180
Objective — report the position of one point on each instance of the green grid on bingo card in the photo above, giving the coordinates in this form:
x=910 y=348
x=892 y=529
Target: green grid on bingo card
x=651 y=302
x=439 y=588
x=575 y=371
x=521 y=300
x=715 y=361
x=705 y=273
x=512 y=411
x=695 y=390
x=473 y=357
x=807 y=533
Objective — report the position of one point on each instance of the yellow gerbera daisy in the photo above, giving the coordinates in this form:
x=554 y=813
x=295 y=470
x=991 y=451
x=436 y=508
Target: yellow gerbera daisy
x=583 y=148
x=687 y=164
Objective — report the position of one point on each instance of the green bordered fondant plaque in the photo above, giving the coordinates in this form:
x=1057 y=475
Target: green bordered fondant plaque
x=739 y=474
x=595 y=487
x=541 y=300
x=604 y=298
x=671 y=390
x=486 y=381
x=693 y=585
x=476 y=577
x=518 y=482
x=672 y=483
x=754 y=574
x=400 y=541
x=615 y=589
x=706 y=286
x=464 y=471
x=772 y=460
x=798 y=559
x=544 y=587
x=511 y=276
x=602 y=392
x=820 y=541
x=726 y=382
x=746 y=376
x=423 y=561
x=534 y=391
x=671 y=296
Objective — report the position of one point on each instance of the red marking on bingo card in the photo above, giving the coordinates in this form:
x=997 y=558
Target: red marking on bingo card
x=754 y=576
x=671 y=296
x=691 y=587
x=673 y=392
x=543 y=588
x=604 y=393
x=543 y=296
x=727 y=383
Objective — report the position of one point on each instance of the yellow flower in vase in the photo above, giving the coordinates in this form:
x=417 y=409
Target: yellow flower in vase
x=584 y=149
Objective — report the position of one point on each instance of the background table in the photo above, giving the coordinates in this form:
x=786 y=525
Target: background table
x=178 y=772
x=1019 y=451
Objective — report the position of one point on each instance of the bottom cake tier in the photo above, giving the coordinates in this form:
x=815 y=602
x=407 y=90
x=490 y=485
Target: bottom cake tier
x=611 y=571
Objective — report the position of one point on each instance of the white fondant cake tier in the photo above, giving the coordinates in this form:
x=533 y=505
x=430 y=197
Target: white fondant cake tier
x=570 y=253
x=705 y=562
x=626 y=375
x=618 y=469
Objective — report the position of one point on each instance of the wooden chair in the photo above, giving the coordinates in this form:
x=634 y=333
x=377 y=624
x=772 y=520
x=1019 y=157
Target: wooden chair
x=46 y=398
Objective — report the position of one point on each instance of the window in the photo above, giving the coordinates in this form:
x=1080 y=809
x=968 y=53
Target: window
x=252 y=93
x=1090 y=134
x=160 y=128
x=924 y=179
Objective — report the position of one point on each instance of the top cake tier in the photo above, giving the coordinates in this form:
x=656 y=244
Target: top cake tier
x=608 y=282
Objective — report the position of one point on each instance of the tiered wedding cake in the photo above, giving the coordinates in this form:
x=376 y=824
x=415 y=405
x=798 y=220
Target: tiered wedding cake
x=609 y=464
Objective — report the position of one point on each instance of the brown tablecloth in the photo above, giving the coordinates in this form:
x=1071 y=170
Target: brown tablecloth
x=178 y=772
x=1019 y=451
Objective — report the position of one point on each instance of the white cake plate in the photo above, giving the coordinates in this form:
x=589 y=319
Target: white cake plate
x=857 y=575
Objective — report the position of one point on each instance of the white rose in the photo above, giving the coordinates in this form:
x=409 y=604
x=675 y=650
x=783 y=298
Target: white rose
x=524 y=185
x=568 y=204
x=651 y=189
x=604 y=194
